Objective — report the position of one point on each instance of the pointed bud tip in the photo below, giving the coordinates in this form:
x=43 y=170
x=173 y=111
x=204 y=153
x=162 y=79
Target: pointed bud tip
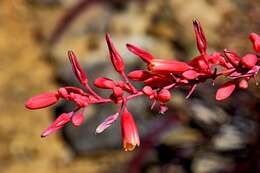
x=164 y=95
x=115 y=57
x=144 y=55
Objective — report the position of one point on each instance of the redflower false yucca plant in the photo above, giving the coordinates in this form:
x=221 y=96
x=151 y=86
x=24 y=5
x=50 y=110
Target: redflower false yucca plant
x=158 y=79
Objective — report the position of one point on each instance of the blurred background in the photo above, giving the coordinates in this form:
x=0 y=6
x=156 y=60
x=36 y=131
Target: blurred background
x=197 y=135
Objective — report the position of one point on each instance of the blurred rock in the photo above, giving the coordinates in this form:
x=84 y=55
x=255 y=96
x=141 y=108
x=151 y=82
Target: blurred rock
x=210 y=163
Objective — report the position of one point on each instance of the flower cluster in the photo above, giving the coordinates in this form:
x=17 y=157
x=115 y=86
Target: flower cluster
x=158 y=79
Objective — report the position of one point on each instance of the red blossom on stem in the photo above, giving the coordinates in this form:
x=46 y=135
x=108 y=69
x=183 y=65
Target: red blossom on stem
x=129 y=131
x=42 y=100
x=159 y=78
x=200 y=37
x=255 y=39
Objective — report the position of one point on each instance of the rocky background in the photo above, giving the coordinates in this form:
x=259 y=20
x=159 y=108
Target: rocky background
x=197 y=135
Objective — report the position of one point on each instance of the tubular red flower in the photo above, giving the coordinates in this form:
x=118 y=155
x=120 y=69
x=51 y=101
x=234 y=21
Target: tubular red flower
x=200 y=37
x=42 y=100
x=129 y=131
x=77 y=69
x=159 y=66
x=115 y=57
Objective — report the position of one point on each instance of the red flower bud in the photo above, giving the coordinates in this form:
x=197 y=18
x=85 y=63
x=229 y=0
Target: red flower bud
x=200 y=63
x=117 y=92
x=249 y=60
x=42 y=100
x=59 y=123
x=63 y=93
x=104 y=83
x=159 y=66
x=147 y=90
x=77 y=69
x=80 y=100
x=200 y=37
x=107 y=123
x=190 y=74
x=232 y=57
x=164 y=96
x=124 y=86
x=129 y=131
x=243 y=84
x=157 y=82
x=77 y=119
x=139 y=75
x=225 y=91
x=255 y=39
x=145 y=56
x=115 y=57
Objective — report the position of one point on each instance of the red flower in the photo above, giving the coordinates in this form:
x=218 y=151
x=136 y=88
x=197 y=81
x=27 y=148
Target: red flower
x=42 y=100
x=145 y=56
x=159 y=79
x=164 y=95
x=107 y=122
x=129 y=131
x=139 y=75
x=255 y=39
x=77 y=69
x=77 y=119
x=104 y=83
x=59 y=123
x=115 y=57
x=200 y=37
x=160 y=66
x=225 y=90
x=249 y=60
x=190 y=74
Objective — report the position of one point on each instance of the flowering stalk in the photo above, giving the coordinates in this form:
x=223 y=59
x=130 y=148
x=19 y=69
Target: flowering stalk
x=160 y=77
